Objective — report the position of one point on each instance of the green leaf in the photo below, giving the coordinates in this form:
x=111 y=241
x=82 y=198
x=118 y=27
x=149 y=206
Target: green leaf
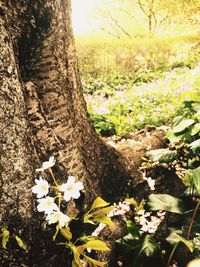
x=149 y=246
x=196 y=180
x=127 y=242
x=66 y=232
x=196 y=241
x=177 y=120
x=99 y=203
x=165 y=202
x=195 y=129
x=188 y=243
x=192 y=178
x=194 y=145
x=140 y=206
x=183 y=125
x=173 y=236
x=99 y=216
x=86 y=238
x=5 y=237
x=106 y=220
x=174 y=138
x=74 y=264
x=76 y=252
x=86 y=220
x=96 y=245
x=94 y=263
x=132 y=201
x=102 y=212
x=161 y=155
x=20 y=243
x=132 y=228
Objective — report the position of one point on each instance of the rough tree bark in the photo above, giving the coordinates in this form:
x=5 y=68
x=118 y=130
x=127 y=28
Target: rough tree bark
x=43 y=113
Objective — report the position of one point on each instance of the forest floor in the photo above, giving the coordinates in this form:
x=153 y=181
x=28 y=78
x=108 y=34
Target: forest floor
x=123 y=104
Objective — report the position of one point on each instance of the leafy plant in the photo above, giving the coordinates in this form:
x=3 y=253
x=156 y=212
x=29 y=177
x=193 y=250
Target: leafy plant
x=183 y=150
x=103 y=125
x=98 y=213
x=141 y=245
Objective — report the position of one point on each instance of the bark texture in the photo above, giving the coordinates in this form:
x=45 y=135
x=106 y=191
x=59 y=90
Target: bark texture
x=43 y=113
x=15 y=168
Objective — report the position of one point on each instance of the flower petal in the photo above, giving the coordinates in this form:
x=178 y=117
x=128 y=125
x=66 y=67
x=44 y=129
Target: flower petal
x=71 y=180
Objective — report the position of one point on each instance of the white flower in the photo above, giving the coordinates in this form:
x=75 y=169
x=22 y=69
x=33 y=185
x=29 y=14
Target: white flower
x=144 y=228
x=41 y=188
x=143 y=220
x=143 y=213
x=161 y=214
x=71 y=189
x=137 y=219
x=140 y=212
x=47 y=164
x=155 y=221
x=151 y=183
x=152 y=228
x=47 y=205
x=58 y=216
x=101 y=110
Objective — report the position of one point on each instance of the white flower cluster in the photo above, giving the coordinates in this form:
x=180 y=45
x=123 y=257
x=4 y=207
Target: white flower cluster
x=148 y=222
x=66 y=191
x=120 y=209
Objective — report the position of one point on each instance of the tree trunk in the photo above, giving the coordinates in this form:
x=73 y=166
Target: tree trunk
x=15 y=166
x=43 y=113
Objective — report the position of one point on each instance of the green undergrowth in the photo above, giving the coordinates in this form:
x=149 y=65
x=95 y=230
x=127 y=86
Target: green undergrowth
x=123 y=104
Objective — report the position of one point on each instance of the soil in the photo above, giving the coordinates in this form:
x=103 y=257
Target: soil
x=134 y=145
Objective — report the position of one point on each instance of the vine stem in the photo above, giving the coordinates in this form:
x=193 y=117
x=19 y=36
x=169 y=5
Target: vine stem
x=52 y=175
x=172 y=254
x=192 y=220
x=190 y=226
